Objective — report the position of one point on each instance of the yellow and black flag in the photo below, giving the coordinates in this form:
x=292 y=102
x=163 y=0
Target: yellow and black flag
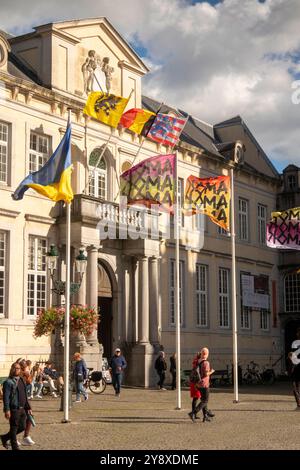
x=105 y=107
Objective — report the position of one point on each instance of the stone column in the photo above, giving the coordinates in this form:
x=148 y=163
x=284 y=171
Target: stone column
x=154 y=306
x=143 y=320
x=92 y=284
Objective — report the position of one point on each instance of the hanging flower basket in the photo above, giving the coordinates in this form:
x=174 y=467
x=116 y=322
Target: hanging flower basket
x=83 y=320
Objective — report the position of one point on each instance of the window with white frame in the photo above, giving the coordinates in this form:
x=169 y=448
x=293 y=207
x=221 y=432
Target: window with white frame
x=3 y=152
x=264 y=319
x=37 y=276
x=292 y=292
x=224 y=297
x=200 y=222
x=201 y=294
x=39 y=151
x=3 y=254
x=173 y=293
x=243 y=220
x=97 y=174
x=245 y=317
x=262 y=223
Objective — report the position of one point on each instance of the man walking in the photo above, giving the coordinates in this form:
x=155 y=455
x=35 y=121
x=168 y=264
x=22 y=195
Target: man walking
x=161 y=367
x=116 y=366
x=15 y=406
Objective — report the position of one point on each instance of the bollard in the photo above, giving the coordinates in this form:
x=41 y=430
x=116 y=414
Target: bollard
x=62 y=399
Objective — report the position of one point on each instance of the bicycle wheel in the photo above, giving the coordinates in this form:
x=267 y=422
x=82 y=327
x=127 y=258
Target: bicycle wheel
x=97 y=387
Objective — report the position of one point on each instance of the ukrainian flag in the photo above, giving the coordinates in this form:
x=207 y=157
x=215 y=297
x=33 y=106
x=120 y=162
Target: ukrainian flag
x=54 y=179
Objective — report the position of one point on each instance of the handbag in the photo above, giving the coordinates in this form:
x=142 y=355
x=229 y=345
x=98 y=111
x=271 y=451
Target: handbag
x=31 y=419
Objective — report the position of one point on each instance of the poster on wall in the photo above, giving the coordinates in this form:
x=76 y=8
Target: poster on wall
x=251 y=298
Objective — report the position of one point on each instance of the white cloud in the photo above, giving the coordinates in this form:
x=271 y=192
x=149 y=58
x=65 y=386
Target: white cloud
x=234 y=58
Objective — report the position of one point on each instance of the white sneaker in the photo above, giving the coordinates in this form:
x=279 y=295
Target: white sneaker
x=38 y=396
x=54 y=395
x=163 y=388
x=78 y=401
x=27 y=441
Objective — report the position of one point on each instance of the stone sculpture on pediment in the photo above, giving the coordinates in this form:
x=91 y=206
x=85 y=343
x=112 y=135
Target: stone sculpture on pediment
x=97 y=73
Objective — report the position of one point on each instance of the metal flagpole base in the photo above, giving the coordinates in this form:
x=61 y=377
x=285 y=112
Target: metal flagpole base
x=66 y=421
x=177 y=408
x=235 y=401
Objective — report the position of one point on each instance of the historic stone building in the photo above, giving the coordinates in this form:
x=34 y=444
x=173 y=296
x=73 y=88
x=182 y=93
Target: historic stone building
x=42 y=74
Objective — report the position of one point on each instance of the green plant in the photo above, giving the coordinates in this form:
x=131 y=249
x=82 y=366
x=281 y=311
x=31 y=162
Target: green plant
x=83 y=319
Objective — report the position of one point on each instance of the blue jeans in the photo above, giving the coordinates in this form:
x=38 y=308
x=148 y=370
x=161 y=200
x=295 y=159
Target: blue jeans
x=117 y=382
x=80 y=390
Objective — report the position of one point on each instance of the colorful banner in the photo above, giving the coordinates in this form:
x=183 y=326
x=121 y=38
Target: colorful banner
x=150 y=182
x=166 y=129
x=210 y=196
x=283 y=231
x=105 y=107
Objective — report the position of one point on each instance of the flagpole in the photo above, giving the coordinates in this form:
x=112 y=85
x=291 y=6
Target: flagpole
x=67 y=314
x=177 y=285
x=234 y=309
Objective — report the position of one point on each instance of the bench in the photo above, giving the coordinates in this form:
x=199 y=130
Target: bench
x=220 y=377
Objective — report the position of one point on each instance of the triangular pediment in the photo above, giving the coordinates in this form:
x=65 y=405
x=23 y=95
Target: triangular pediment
x=79 y=56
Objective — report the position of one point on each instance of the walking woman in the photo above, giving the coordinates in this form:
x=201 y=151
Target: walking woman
x=15 y=406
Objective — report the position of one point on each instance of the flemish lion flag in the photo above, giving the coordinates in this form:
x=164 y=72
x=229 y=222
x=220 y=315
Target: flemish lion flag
x=105 y=108
x=210 y=196
x=150 y=182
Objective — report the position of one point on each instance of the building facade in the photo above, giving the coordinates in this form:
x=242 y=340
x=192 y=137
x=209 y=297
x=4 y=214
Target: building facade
x=130 y=279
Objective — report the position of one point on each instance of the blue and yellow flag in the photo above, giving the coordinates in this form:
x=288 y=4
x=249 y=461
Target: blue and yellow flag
x=54 y=179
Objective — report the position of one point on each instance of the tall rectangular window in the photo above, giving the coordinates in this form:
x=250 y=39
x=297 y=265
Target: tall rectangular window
x=3 y=251
x=245 y=317
x=173 y=293
x=37 y=276
x=3 y=152
x=39 y=151
x=264 y=319
x=224 y=297
x=201 y=294
x=243 y=220
x=262 y=223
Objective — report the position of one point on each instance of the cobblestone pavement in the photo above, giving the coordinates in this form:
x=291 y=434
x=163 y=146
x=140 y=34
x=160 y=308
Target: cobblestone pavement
x=264 y=418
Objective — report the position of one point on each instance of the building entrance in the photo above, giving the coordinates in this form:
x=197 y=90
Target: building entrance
x=105 y=305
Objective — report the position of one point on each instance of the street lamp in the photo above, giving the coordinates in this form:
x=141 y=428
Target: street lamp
x=80 y=266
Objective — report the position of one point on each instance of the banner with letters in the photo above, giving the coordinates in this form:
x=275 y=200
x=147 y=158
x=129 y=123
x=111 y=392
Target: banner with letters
x=283 y=231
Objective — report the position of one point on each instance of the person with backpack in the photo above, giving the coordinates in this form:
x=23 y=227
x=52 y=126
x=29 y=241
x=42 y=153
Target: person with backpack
x=205 y=372
x=161 y=367
x=194 y=390
x=16 y=407
x=80 y=374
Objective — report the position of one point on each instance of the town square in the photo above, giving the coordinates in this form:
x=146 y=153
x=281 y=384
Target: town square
x=149 y=226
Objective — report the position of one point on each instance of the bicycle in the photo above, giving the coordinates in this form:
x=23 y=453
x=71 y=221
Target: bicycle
x=254 y=376
x=96 y=381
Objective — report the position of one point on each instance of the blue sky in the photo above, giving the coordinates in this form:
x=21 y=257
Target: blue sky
x=213 y=59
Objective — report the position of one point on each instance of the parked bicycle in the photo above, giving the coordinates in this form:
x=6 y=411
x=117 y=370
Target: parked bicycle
x=254 y=376
x=96 y=381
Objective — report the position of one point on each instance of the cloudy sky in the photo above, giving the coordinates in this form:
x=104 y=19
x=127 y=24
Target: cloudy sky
x=214 y=59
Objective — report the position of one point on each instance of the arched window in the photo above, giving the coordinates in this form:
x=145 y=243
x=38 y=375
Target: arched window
x=97 y=174
x=292 y=292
